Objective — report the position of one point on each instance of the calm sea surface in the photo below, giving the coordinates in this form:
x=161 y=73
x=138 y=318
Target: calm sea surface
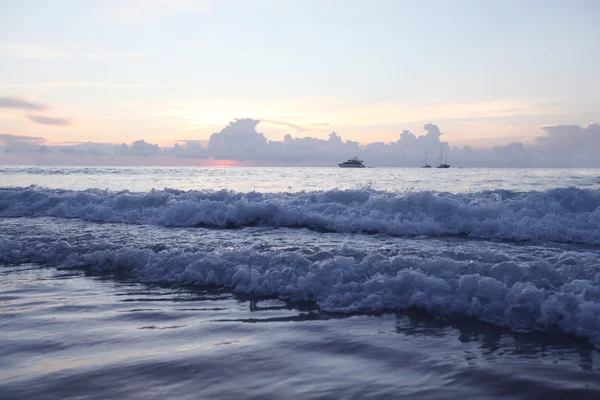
x=299 y=283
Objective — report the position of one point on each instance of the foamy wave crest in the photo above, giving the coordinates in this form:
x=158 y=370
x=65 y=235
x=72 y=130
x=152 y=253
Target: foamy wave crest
x=562 y=215
x=560 y=294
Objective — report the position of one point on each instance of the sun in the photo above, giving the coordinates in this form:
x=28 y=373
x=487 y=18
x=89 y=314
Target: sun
x=223 y=163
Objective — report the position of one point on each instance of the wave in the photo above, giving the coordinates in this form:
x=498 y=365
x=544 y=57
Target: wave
x=553 y=291
x=562 y=215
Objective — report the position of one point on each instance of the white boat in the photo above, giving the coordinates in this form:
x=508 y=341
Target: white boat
x=352 y=163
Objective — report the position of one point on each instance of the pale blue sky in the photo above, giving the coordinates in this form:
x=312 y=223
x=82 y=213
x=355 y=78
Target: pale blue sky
x=487 y=72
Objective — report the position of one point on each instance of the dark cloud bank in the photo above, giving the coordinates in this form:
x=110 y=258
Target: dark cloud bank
x=558 y=146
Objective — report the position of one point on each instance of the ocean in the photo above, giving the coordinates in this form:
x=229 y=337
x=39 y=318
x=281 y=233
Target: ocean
x=299 y=283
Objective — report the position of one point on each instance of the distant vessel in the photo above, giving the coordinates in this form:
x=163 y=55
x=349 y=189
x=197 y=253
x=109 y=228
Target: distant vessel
x=426 y=165
x=445 y=163
x=352 y=163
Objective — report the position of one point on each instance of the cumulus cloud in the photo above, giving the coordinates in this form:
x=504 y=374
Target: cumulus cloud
x=189 y=149
x=43 y=120
x=571 y=139
x=20 y=104
x=238 y=140
x=559 y=146
x=143 y=148
x=569 y=145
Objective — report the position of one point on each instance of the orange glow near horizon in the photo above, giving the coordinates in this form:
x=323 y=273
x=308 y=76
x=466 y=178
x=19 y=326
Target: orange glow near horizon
x=223 y=163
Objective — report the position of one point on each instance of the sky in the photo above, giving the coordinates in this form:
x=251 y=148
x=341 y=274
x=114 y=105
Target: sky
x=496 y=77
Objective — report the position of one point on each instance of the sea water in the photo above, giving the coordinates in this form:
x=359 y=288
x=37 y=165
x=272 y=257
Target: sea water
x=299 y=283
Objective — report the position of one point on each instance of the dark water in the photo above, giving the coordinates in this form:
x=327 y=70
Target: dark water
x=66 y=334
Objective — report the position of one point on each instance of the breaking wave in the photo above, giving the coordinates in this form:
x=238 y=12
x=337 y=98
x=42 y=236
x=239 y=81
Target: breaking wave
x=534 y=290
x=562 y=215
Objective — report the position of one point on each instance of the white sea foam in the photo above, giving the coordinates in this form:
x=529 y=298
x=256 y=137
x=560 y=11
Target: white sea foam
x=561 y=215
x=556 y=291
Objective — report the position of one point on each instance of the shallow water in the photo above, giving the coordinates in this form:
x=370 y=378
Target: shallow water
x=490 y=289
x=68 y=334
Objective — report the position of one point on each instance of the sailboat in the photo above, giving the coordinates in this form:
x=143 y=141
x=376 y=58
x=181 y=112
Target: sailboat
x=445 y=163
x=426 y=165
